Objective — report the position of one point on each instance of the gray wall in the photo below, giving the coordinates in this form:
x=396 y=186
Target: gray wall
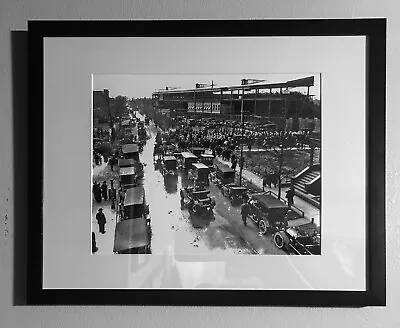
x=14 y=16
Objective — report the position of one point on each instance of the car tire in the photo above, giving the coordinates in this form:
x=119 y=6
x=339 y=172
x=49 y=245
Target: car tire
x=262 y=227
x=281 y=240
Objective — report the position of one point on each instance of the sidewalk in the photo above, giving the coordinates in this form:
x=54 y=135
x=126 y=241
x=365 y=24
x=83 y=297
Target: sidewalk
x=105 y=242
x=309 y=210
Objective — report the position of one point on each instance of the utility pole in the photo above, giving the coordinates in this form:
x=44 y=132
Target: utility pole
x=280 y=171
x=241 y=161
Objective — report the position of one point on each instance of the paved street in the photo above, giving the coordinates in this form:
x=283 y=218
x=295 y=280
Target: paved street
x=189 y=234
x=310 y=211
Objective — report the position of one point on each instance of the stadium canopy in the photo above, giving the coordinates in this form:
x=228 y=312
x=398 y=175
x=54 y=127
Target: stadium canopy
x=302 y=82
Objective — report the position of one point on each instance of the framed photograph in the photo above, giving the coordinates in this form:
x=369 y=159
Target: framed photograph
x=212 y=163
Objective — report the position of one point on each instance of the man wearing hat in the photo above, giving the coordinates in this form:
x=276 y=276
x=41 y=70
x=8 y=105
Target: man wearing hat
x=112 y=194
x=101 y=220
x=290 y=195
x=104 y=190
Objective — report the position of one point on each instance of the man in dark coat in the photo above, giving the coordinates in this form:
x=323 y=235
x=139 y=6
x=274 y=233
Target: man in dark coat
x=112 y=195
x=94 y=247
x=234 y=163
x=94 y=188
x=97 y=192
x=101 y=220
x=244 y=211
x=104 y=190
x=290 y=195
x=111 y=162
x=274 y=179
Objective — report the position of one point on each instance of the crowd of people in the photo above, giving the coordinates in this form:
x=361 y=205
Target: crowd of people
x=224 y=138
x=103 y=134
x=101 y=192
x=210 y=135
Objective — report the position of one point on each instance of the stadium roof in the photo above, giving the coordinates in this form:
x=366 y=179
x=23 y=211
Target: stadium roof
x=302 y=82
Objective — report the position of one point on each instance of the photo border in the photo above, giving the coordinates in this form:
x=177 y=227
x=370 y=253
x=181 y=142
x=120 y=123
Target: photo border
x=375 y=31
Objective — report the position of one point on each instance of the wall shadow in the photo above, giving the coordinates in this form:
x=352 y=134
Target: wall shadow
x=19 y=58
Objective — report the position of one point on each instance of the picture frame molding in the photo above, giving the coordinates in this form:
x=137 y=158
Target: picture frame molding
x=375 y=31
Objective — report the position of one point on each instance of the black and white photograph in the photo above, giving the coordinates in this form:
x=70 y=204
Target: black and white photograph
x=213 y=164
x=194 y=163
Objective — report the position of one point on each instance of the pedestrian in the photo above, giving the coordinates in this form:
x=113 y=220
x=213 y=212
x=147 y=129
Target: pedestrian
x=101 y=221
x=104 y=190
x=182 y=194
x=97 y=159
x=244 y=211
x=121 y=196
x=274 y=179
x=94 y=246
x=112 y=195
x=94 y=188
x=111 y=162
x=264 y=182
x=97 y=192
x=234 y=163
x=290 y=195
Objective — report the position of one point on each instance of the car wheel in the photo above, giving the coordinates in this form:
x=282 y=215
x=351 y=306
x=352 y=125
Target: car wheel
x=281 y=240
x=262 y=227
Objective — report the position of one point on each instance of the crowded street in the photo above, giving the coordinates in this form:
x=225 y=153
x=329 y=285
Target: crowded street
x=190 y=234
x=173 y=224
x=207 y=178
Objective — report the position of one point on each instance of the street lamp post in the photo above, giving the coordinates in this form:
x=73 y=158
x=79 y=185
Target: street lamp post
x=241 y=161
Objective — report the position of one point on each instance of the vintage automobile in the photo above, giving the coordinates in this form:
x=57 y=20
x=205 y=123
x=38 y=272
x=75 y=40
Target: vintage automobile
x=200 y=174
x=197 y=151
x=207 y=159
x=296 y=240
x=129 y=177
x=132 y=236
x=122 y=162
x=199 y=201
x=224 y=175
x=178 y=155
x=134 y=204
x=188 y=159
x=126 y=125
x=169 y=165
x=236 y=194
x=268 y=212
x=131 y=151
x=142 y=134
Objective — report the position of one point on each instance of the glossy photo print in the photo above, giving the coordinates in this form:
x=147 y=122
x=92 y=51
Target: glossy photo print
x=209 y=164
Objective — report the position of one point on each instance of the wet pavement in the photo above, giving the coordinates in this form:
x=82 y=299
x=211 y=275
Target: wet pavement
x=104 y=242
x=310 y=212
x=173 y=227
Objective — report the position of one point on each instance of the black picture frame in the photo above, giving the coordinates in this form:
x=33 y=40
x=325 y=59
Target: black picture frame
x=375 y=32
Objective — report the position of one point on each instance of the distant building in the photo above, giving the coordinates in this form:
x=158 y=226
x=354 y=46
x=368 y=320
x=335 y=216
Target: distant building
x=101 y=101
x=262 y=101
